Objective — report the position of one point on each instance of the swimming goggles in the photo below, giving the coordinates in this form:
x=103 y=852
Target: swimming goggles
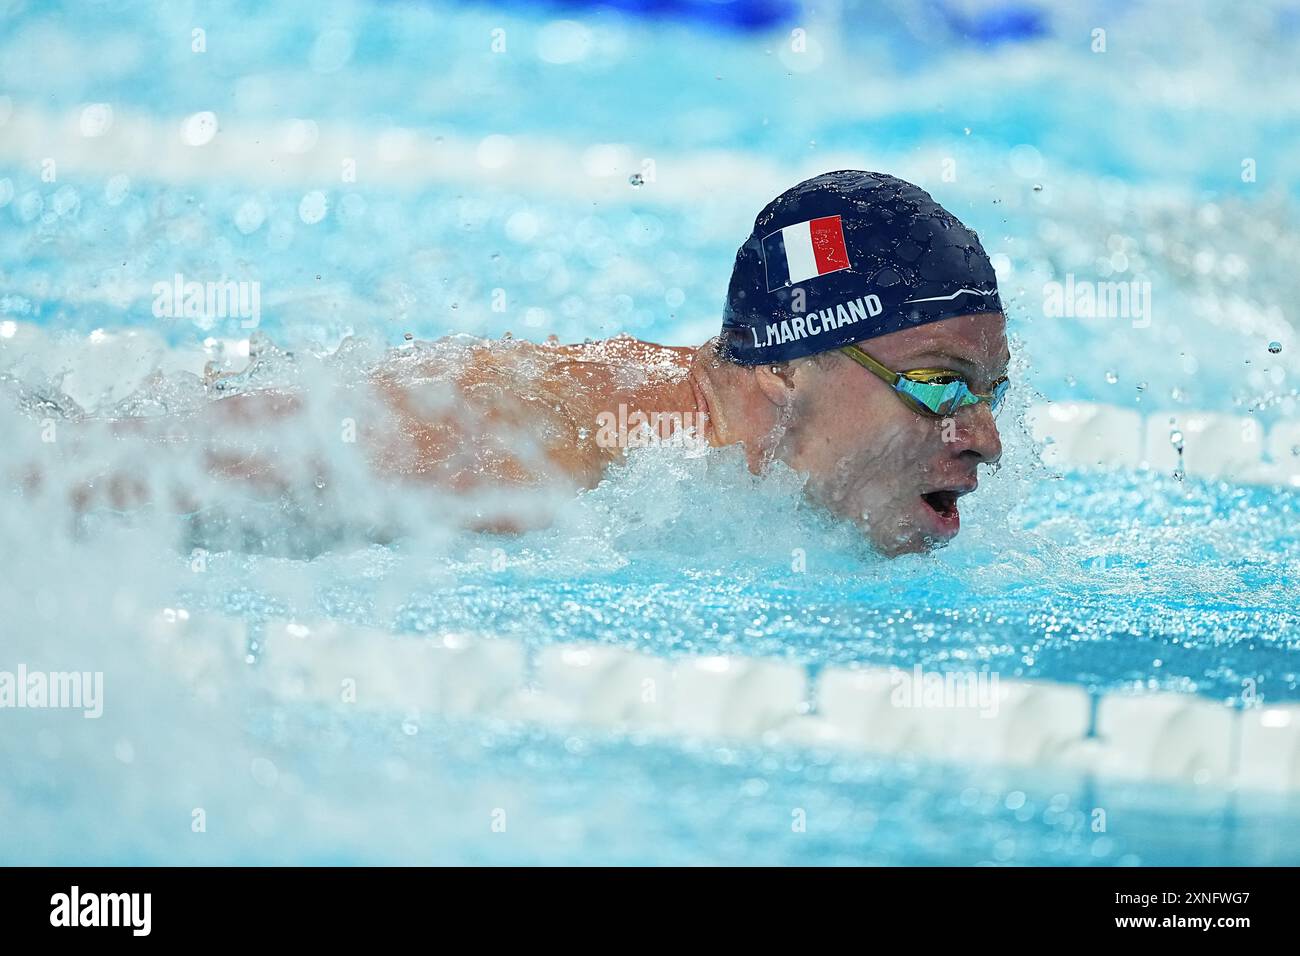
x=930 y=391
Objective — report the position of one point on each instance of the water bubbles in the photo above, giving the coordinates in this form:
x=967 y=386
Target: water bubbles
x=331 y=51
x=198 y=129
x=395 y=144
x=264 y=772
x=1025 y=160
x=249 y=216
x=124 y=751
x=65 y=202
x=1038 y=187
x=495 y=151
x=1176 y=440
x=313 y=207
x=299 y=136
x=1111 y=377
x=96 y=119
x=1141 y=386
x=116 y=189
x=636 y=180
x=30 y=205
x=1274 y=347
x=564 y=41
x=522 y=226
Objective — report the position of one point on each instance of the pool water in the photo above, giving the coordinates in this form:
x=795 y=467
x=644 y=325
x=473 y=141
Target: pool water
x=476 y=175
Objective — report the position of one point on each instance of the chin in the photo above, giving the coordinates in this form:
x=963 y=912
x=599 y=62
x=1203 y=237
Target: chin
x=915 y=543
x=912 y=534
x=911 y=527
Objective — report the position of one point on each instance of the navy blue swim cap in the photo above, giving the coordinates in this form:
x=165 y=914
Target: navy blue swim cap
x=867 y=254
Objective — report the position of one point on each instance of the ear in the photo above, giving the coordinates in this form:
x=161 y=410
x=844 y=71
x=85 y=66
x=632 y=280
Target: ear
x=775 y=382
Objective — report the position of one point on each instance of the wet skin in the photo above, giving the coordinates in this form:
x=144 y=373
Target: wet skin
x=527 y=414
x=523 y=415
x=871 y=458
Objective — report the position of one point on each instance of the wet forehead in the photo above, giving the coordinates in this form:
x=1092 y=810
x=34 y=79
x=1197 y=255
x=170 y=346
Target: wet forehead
x=977 y=341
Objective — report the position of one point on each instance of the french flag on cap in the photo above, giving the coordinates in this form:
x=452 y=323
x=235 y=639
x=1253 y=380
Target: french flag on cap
x=804 y=251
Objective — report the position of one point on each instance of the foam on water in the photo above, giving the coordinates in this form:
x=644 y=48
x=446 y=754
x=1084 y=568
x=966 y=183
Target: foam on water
x=1104 y=580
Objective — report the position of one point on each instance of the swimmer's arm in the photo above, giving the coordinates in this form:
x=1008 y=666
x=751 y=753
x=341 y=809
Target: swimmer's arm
x=131 y=463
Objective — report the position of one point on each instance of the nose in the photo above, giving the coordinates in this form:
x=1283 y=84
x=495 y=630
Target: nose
x=977 y=435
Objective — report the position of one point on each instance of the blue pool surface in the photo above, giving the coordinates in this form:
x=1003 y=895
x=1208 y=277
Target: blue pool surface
x=1121 y=165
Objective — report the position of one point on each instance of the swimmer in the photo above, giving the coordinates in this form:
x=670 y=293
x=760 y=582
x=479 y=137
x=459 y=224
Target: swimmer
x=863 y=344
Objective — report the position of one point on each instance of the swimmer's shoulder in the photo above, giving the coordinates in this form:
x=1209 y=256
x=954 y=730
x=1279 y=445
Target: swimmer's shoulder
x=620 y=350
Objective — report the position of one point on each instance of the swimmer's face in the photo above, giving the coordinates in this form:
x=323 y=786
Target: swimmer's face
x=869 y=457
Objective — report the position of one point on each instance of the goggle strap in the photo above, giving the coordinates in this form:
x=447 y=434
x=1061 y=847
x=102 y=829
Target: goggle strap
x=871 y=365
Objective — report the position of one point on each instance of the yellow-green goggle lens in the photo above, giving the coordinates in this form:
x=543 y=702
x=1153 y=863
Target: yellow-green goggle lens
x=944 y=398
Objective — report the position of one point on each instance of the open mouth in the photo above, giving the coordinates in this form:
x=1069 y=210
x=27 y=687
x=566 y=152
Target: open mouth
x=943 y=503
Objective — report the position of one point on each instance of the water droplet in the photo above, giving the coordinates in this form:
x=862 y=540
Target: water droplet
x=1038 y=187
x=410 y=728
x=1141 y=386
x=1176 y=439
x=1071 y=381
x=967 y=130
x=1111 y=377
x=199 y=129
x=313 y=207
x=1274 y=347
x=636 y=179
x=320 y=482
